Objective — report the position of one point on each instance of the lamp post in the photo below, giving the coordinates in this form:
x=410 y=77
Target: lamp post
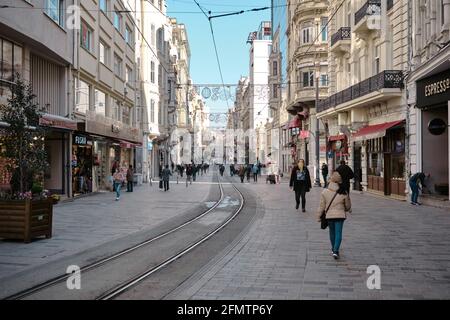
x=317 y=137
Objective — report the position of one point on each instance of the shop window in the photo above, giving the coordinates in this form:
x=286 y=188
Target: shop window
x=375 y=164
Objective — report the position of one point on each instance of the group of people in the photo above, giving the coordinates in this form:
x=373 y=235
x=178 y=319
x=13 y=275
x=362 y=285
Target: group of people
x=120 y=175
x=191 y=170
x=334 y=200
x=247 y=170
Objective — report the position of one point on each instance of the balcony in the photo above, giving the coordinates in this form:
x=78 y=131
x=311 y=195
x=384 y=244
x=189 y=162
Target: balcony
x=341 y=40
x=305 y=6
x=388 y=79
x=368 y=17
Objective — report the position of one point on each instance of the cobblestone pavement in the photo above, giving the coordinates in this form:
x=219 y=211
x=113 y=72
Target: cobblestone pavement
x=285 y=254
x=98 y=219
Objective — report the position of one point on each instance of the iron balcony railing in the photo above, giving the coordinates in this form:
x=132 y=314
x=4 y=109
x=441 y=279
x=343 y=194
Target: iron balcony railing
x=343 y=33
x=385 y=79
x=371 y=7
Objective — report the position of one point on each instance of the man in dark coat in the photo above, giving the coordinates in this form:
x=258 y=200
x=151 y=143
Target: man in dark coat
x=346 y=173
x=324 y=174
x=301 y=183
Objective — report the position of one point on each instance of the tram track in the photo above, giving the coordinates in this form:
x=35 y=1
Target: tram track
x=125 y=285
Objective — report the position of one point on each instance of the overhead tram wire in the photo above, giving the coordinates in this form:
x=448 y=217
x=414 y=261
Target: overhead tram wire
x=215 y=46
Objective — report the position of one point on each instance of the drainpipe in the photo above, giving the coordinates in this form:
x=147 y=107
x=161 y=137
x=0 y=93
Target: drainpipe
x=408 y=106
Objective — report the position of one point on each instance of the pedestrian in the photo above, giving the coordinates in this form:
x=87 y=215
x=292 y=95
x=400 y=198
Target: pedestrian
x=255 y=172
x=231 y=169
x=301 y=183
x=416 y=182
x=249 y=171
x=325 y=174
x=188 y=174
x=166 y=177
x=194 y=171
x=334 y=203
x=346 y=174
x=242 y=173
x=173 y=166
x=118 y=179
x=130 y=175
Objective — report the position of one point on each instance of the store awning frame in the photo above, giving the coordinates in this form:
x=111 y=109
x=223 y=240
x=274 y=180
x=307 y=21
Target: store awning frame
x=374 y=131
x=336 y=137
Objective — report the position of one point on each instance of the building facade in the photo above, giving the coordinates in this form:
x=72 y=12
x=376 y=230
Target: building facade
x=307 y=74
x=37 y=42
x=428 y=104
x=365 y=112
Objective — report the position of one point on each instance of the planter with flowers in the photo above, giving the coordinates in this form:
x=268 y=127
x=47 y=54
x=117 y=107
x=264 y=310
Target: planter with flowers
x=26 y=210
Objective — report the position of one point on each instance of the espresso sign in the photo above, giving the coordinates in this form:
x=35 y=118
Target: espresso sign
x=434 y=90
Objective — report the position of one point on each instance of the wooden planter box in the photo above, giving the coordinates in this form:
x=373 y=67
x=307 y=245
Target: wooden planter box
x=26 y=219
x=398 y=187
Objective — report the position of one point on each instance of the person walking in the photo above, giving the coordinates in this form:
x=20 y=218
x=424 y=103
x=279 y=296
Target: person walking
x=346 y=174
x=324 y=174
x=194 y=171
x=242 y=173
x=248 y=171
x=231 y=169
x=118 y=179
x=188 y=174
x=334 y=203
x=166 y=177
x=173 y=166
x=255 y=172
x=130 y=175
x=300 y=182
x=221 y=169
x=416 y=182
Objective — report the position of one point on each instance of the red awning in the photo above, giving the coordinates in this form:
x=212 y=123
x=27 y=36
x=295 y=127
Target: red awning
x=375 y=131
x=295 y=123
x=128 y=144
x=54 y=121
x=336 y=138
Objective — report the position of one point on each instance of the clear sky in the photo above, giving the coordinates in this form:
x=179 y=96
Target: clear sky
x=231 y=37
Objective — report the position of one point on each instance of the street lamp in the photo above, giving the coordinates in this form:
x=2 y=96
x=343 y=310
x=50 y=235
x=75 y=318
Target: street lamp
x=317 y=137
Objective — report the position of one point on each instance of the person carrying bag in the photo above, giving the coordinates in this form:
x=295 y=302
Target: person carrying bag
x=333 y=208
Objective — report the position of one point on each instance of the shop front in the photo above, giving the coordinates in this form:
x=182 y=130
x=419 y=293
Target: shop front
x=337 y=150
x=57 y=177
x=385 y=153
x=433 y=102
x=82 y=164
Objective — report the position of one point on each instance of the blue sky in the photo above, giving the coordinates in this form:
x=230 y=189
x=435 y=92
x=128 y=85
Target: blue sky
x=231 y=36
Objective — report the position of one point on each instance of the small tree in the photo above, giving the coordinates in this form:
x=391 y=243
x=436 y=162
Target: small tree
x=23 y=138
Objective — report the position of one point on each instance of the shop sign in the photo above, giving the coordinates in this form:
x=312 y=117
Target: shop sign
x=80 y=140
x=433 y=90
x=338 y=144
x=437 y=126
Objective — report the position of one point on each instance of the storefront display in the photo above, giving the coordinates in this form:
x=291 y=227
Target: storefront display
x=82 y=160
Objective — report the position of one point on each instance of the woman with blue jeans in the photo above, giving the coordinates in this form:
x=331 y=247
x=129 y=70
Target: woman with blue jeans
x=336 y=200
x=118 y=179
x=414 y=181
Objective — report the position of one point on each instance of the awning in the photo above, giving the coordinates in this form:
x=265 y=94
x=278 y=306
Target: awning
x=375 y=131
x=54 y=121
x=336 y=138
x=128 y=144
x=295 y=123
x=304 y=134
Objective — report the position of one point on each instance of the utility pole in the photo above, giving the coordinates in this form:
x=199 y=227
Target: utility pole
x=317 y=137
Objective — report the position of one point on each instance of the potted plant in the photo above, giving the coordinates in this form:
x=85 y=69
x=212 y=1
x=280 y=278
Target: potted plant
x=25 y=210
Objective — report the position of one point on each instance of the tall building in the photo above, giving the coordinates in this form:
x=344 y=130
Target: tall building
x=37 y=43
x=365 y=112
x=278 y=87
x=307 y=76
x=260 y=47
x=104 y=72
x=428 y=83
